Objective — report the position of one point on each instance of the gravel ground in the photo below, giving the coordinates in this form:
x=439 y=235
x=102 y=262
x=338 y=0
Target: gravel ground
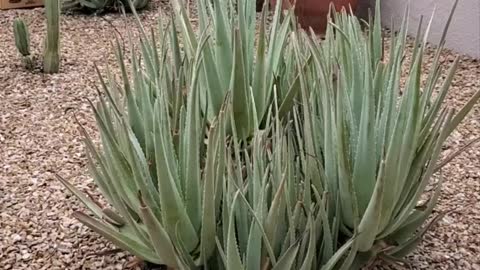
x=38 y=138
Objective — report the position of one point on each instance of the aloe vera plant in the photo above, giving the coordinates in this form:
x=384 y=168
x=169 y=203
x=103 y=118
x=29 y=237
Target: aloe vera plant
x=22 y=42
x=371 y=143
x=164 y=182
x=207 y=161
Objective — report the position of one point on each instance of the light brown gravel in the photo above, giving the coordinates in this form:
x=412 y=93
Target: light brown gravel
x=38 y=138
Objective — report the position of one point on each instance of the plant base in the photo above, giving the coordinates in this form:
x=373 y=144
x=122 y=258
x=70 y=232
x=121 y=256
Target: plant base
x=28 y=62
x=51 y=62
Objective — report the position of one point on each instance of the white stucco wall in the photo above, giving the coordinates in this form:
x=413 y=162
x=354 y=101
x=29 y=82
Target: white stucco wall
x=464 y=34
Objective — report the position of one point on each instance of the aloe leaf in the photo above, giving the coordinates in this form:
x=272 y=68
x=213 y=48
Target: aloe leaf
x=173 y=209
x=91 y=205
x=234 y=260
x=187 y=262
x=336 y=258
x=254 y=248
x=223 y=45
x=275 y=212
x=259 y=86
x=208 y=230
x=434 y=108
x=311 y=250
x=265 y=237
x=417 y=218
x=119 y=238
x=456 y=153
x=287 y=260
x=134 y=113
x=289 y=100
x=323 y=222
x=371 y=220
x=409 y=246
x=240 y=92
x=190 y=157
x=463 y=112
x=159 y=237
x=364 y=167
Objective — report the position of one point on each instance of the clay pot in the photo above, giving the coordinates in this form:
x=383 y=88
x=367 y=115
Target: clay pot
x=314 y=13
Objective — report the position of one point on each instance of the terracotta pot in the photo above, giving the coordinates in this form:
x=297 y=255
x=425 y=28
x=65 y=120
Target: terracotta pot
x=314 y=13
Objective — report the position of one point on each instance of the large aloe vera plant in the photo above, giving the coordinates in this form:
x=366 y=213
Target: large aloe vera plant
x=162 y=162
x=371 y=142
x=207 y=161
x=182 y=193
